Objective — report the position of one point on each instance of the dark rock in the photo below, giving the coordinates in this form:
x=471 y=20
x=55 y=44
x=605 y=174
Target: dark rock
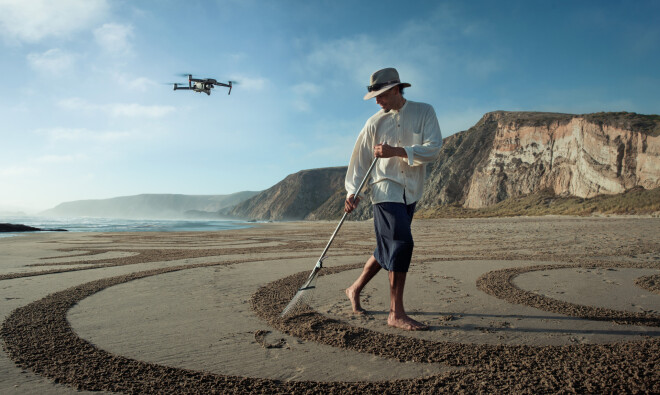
x=25 y=228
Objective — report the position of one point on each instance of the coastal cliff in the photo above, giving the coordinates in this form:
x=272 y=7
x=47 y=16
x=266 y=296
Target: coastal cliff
x=307 y=194
x=518 y=153
x=506 y=155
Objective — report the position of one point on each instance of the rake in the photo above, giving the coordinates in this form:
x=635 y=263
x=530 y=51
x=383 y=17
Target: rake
x=304 y=292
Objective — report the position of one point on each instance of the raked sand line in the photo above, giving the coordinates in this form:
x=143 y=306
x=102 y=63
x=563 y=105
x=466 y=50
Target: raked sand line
x=650 y=283
x=147 y=255
x=38 y=336
x=499 y=284
x=535 y=368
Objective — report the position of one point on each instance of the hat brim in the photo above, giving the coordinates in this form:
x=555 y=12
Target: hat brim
x=371 y=95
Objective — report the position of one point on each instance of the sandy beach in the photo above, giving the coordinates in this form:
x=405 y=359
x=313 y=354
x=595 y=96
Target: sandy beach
x=524 y=305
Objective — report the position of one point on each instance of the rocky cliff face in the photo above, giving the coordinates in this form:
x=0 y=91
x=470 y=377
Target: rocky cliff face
x=510 y=154
x=506 y=154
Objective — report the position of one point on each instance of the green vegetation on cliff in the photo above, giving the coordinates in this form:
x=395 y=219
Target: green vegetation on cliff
x=636 y=201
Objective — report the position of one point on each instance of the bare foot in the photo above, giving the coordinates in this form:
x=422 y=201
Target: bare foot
x=406 y=323
x=355 y=301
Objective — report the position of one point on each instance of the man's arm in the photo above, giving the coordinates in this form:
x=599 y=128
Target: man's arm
x=360 y=160
x=430 y=147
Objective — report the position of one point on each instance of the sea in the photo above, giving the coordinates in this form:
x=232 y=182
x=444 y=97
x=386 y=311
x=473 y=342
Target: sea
x=88 y=224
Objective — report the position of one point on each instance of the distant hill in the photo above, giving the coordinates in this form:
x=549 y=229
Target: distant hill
x=152 y=206
x=12 y=213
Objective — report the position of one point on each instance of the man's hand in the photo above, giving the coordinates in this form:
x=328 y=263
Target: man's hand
x=351 y=203
x=387 y=151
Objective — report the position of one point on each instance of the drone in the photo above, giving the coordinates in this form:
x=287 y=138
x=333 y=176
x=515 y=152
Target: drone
x=202 y=85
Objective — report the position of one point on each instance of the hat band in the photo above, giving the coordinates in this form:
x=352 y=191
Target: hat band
x=379 y=86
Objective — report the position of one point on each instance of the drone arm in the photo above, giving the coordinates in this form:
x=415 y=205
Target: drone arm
x=229 y=85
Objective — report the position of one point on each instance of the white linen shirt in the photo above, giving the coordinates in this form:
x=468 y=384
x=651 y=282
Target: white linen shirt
x=415 y=128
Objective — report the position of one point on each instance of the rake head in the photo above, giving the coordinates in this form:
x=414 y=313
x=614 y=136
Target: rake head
x=300 y=299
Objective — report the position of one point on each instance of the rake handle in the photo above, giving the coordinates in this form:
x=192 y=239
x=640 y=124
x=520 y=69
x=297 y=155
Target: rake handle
x=319 y=264
x=343 y=218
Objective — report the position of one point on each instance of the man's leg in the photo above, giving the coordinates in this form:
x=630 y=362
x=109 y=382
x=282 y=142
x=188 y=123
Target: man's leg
x=398 y=317
x=353 y=292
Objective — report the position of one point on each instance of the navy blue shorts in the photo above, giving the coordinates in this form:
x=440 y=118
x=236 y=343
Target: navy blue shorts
x=394 y=242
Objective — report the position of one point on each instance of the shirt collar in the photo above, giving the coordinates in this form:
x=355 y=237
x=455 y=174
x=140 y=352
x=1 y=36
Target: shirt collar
x=405 y=103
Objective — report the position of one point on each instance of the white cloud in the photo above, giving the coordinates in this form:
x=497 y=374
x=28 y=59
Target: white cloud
x=75 y=103
x=301 y=105
x=82 y=134
x=57 y=159
x=114 y=38
x=306 y=89
x=355 y=57
x=350 y=60
x=34 y=20
x=303 y=93
x=137 y=110
x=249 y=83
x=53 y=61
x=117 y=109
x=17 y=171
x=140 y=84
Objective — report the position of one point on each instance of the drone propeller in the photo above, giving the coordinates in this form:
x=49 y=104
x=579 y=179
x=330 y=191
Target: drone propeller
x=191 y=75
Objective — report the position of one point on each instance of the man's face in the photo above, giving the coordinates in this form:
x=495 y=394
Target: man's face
x=390 y=99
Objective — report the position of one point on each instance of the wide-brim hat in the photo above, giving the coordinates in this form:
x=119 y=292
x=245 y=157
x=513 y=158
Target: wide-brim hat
x=383 y=80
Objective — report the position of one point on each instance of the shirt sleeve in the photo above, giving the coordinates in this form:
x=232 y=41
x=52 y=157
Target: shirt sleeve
x=431 y=143
x=360 y=160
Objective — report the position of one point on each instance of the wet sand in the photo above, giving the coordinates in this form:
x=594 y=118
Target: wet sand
x=526 y=305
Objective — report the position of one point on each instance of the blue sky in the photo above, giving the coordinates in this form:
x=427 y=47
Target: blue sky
x=87 y=113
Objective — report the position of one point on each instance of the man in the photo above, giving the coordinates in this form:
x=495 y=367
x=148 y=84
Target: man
x=405 y=136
